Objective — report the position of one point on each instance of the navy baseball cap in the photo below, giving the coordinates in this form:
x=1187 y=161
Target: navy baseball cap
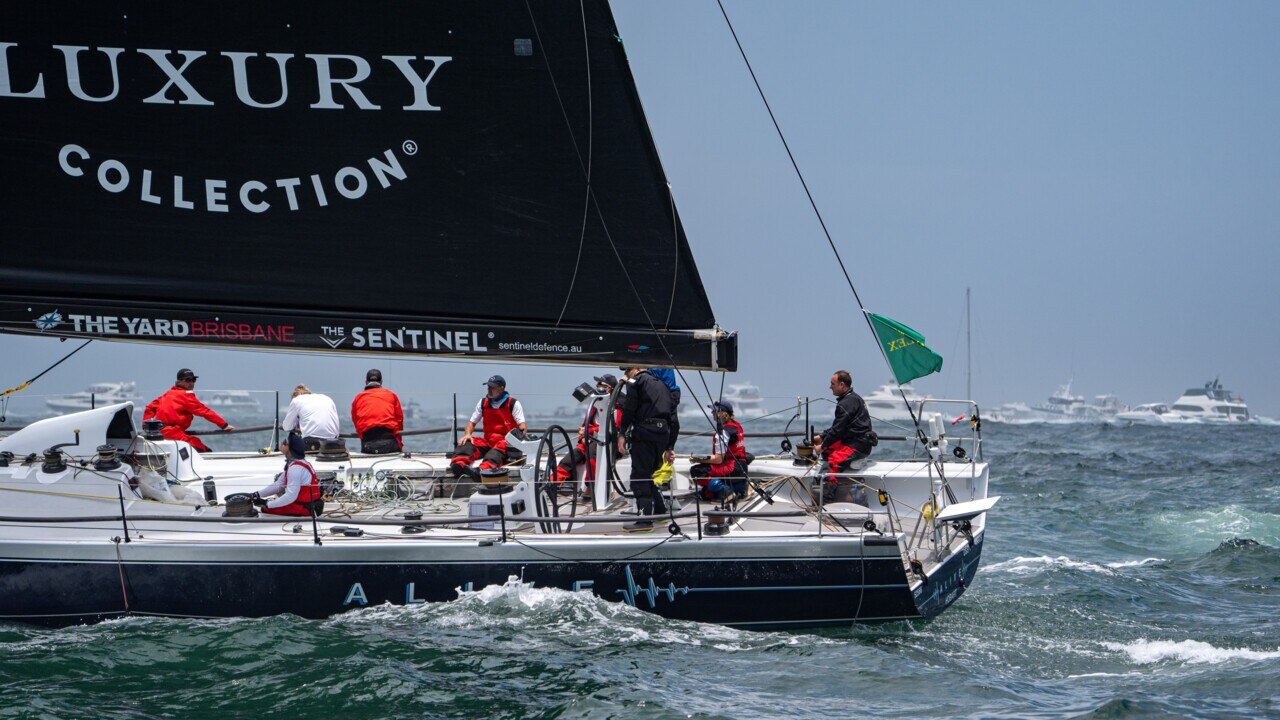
x=186 y=374
x=374 y=375
x=608 y=379
x=296 y=444
x=496 y=381
x=722 y=405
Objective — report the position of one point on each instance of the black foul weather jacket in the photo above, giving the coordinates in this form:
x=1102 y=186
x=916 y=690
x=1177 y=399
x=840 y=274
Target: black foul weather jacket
x=852 y=424
x=646 y=409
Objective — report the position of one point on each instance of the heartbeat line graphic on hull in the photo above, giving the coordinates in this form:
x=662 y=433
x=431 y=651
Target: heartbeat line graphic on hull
x=650 y=591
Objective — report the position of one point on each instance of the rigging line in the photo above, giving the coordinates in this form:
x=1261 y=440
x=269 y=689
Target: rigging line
x=27 y=384
x=675 y=266
x=817 y=213
x=564 y=112
x=577 y=263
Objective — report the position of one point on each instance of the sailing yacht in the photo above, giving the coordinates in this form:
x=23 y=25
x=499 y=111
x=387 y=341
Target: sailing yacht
x=448 y=134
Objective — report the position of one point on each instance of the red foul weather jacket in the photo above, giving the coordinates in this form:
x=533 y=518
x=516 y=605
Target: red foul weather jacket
x=178 y=407
x=377 y=407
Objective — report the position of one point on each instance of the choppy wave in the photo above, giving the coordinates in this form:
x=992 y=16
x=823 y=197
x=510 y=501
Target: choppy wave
x=1129 y=571
x=1146 y=652
x=1023 y=565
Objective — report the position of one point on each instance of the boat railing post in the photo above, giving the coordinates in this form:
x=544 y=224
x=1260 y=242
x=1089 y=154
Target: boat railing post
x=123 y=520
x=455 y=420
x=275 y=431
x=502 y=517
x=697 y=504
x=93 y=401
x=822 y=504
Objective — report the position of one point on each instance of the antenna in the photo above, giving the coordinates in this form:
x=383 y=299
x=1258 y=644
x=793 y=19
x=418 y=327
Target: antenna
x=968 y=348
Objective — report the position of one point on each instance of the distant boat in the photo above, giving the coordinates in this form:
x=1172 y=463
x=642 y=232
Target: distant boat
x=1151 y=414
x=886 y=403
x=95 y=395
x=1062 y=405
x=1211 y=403
x=746 y=399
x=411 y=410
x=230 y=400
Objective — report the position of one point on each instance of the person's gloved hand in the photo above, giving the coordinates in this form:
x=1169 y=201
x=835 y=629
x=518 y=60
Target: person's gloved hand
x=256 y=499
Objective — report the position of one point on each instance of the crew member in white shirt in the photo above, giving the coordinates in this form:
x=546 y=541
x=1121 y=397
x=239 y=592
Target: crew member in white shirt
x=296 y=491
x=313 y=416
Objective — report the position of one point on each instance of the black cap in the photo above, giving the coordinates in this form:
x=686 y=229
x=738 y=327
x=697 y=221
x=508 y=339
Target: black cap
x=722 y=405
x=297 y=446
x=374 y=375
x=495 y=381
x=186 y=374
x=608 y=379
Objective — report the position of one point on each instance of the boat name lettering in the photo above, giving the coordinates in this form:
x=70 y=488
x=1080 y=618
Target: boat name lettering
x=173 y=86
x=408 y=338
x=356 y=595
x=221 y=196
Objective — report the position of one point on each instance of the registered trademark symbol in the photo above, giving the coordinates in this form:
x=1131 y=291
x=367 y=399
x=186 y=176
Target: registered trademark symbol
x=490 y=336
x=410 y=147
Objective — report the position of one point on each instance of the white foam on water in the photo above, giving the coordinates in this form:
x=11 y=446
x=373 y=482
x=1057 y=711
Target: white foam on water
x=1207 y=528
x=1146 y=652
x=555 y=613
x=1134 y=563
x=1022 y=565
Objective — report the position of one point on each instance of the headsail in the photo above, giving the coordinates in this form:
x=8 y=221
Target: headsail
x=445 y=178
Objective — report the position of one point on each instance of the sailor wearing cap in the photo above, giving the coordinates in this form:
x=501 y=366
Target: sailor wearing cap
x=646 y=421
x=584 y=452
x=297 y=489
x=378 y=417
x=498 y=414
x=178 y=406
x=725 y=470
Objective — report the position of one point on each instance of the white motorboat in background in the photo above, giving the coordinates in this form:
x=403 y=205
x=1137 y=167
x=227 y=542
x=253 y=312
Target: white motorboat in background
x=886 y=402
x=1211 y=403
x=1151 y=414
x=230 y=400
x=1063 y=404
x=96 y=395
x=746 y=399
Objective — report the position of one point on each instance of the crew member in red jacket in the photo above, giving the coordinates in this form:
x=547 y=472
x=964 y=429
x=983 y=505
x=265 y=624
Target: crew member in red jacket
x=378 y=417
x=586 y=435
x=178 y=406
x=498 y=414
x=725 y=470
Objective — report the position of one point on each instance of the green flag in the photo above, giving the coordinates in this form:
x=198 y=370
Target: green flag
x=905 y=348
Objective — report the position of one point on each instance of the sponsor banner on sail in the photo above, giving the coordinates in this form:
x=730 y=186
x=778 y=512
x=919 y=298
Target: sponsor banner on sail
x=368 y=335
x=483 y=162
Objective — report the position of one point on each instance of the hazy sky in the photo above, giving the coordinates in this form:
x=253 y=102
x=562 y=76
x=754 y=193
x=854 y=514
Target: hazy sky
x=1104 y=175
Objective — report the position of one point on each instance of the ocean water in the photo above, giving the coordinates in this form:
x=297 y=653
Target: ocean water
x=1128 y=572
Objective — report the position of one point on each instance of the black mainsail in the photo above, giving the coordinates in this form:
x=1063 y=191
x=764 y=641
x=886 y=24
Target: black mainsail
x=447 y=178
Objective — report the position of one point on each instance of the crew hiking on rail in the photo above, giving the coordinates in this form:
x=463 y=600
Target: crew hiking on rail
x=178 y=406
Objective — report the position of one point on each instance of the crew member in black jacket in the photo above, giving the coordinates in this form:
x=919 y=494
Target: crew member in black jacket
x=646 y=419
x=849 y=438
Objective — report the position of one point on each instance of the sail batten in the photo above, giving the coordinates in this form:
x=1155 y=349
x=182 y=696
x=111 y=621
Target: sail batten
x=341 y=169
